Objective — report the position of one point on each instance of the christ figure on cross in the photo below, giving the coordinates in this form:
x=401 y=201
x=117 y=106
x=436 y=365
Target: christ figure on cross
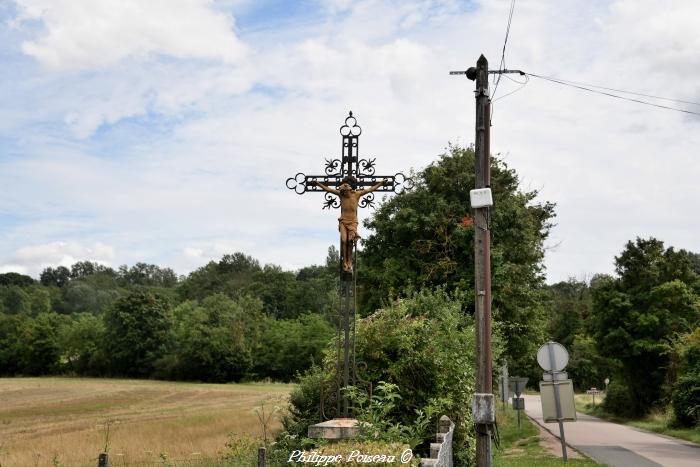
x=347 y=222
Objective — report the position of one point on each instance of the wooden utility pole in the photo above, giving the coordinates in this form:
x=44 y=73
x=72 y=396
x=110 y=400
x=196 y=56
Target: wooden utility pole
x=482 y=258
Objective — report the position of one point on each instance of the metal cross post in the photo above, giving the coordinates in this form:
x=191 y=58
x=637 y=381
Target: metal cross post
x=359 y=174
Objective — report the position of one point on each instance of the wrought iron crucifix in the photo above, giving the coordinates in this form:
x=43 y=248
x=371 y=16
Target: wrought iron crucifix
x=348 y=183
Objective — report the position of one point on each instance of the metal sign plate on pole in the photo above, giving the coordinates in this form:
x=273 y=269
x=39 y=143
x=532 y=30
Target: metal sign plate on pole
x=557 y=394
x=558 y=359
x=558 y=376
x=517 y=384
x=566 y=401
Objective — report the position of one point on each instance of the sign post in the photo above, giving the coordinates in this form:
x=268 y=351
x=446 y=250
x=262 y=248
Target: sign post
x=504 y=385
x=593 y=392
x=556 y=391
x=518 y=385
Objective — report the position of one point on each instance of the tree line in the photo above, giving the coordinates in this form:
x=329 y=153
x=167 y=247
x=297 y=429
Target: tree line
x=229 y=320
x=235 y=319
x=639 y=327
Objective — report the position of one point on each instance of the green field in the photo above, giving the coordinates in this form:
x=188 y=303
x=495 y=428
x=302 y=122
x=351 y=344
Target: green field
x=68 y=421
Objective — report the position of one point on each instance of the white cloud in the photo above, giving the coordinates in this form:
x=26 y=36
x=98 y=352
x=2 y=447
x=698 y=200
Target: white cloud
x=212 y=181
x=99 y=33
x=35 y=258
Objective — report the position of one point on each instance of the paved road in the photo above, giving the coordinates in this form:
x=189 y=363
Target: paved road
x=618 y=445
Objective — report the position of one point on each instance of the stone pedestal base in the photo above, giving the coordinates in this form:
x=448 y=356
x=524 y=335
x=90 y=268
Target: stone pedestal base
x=336 y=429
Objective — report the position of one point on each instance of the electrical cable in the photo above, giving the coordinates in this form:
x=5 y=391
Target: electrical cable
x=639 y=101
x=617 y=90
x=502 y=65
x=522 y=85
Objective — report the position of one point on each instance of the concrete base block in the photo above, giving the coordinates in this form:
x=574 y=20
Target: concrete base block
x=338 y=428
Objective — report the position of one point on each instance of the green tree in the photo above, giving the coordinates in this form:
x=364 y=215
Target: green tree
x=81 y=343
x=40 y=346
x=57 y=277
x=569 y=308
x=424 y=238
x=290 y=347
x=228 y=276
x=637 y=315
x=147 y=275
x=88 y=295
x=83 y=269
x=15 y=300
x=424 y=345
x=685 y=397
x=39 y=300
x=11 y=345
x=210 y=338
x=136 y=332
x=15 y=278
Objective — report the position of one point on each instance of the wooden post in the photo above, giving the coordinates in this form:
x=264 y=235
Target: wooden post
x=482 y=256
x=262 y=457
x=103 y=460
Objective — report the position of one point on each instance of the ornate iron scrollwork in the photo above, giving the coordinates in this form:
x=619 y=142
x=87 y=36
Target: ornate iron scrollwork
x=366 y=167
x=333 y=166
x=331 y=201
x=367 y=201
x=360 y=172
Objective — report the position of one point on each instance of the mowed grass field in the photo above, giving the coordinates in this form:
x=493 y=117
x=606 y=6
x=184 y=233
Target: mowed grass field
x=61 y=421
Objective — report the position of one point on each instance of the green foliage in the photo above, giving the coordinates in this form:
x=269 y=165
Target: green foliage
x=423 y=239
x=284 y=294
x=228 y=276
x=587 y=368
x=14 y=278
x=40 y=350
x=56 y=277
x=136 y=331
x=569 y=308
x=11 y=344
x=686 y=400
x=290 y=346
x=145 y=274
x=119 y=323
x=15 y=300
x=423 y=346
x=375 y=415
x=619 y=400
x=87 y=296
x=636 y=316
x=81 y=345
x=685 y=397
x=209 y=339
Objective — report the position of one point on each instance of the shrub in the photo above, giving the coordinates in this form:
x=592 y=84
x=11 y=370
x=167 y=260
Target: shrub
x=619 y=400
x=685 y=397
x=424 y=345
x=686 y=400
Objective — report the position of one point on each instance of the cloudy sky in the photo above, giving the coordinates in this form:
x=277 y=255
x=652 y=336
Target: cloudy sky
x=163 y=130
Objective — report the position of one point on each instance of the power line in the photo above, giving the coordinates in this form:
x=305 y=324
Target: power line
x=617 y=90
x=639 y=101
x=502 y=65
x=521 y=83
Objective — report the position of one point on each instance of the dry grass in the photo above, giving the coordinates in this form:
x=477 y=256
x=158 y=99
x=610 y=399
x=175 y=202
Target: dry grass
x=48 y=421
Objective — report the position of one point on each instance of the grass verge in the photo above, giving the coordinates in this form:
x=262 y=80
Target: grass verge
x=522 y=447
x=655 y=422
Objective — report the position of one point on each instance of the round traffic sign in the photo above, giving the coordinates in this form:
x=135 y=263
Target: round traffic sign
x=552 y=356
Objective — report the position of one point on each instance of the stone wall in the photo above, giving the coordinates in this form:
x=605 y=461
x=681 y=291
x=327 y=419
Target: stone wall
x=441 y=451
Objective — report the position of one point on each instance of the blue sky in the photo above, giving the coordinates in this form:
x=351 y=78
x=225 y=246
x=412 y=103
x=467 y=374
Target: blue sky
x=163 y=131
